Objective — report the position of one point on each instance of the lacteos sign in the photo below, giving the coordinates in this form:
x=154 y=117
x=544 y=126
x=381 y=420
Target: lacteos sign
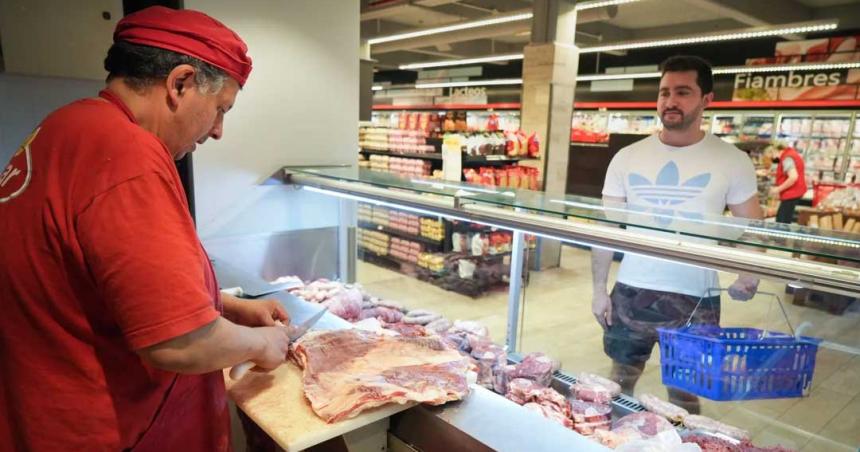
x=803 y=85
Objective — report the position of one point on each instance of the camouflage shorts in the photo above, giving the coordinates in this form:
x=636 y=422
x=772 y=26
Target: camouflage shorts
x=637 y=313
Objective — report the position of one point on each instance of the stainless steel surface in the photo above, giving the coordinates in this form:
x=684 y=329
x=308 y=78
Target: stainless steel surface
x=801 y=272
x=346 y=251
x=491 y=422
x=299 y=330
x=515 y=287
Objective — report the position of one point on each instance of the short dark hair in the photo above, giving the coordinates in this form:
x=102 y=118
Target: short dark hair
x=684 y=63
x=141 y=66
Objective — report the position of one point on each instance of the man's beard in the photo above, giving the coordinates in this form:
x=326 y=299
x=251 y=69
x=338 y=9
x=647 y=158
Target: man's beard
x=684 y=124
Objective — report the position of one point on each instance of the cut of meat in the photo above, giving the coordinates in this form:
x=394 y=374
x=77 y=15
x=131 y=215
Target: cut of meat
x=710 y=443
x=535 y=366
x=591 y=379
x=348 y=371
x=408 y=329
x=384 y=314
x=659 y=407
x=591 y=392
x=697 y=422
x=647 y=424
x=550 y=413
x=589 y=428
x=613 y=439
x=523 y=391
x=582 y=411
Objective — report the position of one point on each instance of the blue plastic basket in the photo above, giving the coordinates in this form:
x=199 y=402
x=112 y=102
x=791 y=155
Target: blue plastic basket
x=736 y=363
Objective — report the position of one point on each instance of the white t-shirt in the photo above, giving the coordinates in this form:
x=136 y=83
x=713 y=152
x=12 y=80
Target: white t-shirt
x=666 y=182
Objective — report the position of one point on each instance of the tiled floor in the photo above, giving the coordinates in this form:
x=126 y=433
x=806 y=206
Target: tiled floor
x=556 y=319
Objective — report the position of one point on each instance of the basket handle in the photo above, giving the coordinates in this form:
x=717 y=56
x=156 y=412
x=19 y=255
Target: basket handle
x=711 y=290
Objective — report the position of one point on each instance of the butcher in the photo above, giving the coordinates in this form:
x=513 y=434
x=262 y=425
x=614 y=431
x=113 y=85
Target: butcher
x=678 y=173
x=113 y=333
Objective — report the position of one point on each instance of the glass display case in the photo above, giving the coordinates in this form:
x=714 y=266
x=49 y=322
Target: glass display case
x=807 y=295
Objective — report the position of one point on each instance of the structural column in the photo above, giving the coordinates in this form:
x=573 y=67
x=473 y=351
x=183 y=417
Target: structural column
x=549 y=80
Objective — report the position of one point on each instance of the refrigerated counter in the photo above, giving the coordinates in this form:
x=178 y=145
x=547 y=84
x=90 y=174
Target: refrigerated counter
x=553 y=314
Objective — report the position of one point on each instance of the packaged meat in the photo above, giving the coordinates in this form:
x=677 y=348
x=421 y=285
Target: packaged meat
x=408 y=330
x=698 y=422
x=491 y=360
x=470 y=327
x=591 y=392
x=582 y=411
x=524 y=391
x=521 y=390
x=537 y=367
x=588 y=428
x=665 y=441
x=659 y=407
x=348 y=371
x=549 y=413
x=613 y=387
x=647 y=424
x=440 y=325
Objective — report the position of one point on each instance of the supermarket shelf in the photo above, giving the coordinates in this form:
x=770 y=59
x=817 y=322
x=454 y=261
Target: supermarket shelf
x=399 y=233
x=635 y=105
x=813 y=137
x=386 y=257
x=479 y=159
x=413 y=155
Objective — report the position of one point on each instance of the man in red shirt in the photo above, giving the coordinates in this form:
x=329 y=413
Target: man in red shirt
x=113 y=333
x=790 y=181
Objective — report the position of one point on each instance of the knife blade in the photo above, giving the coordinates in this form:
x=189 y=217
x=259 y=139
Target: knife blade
x=295 y=332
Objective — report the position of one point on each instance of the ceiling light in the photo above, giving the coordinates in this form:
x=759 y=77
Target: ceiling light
x=489 y=59
x=377 y=88
x=601 y=3
x=455 y=27
x=729 y=70
x=786 y=29
x=787 y=67
x=505 y=81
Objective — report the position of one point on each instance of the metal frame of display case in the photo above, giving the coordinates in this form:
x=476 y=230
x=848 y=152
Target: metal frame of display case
x=458 y=202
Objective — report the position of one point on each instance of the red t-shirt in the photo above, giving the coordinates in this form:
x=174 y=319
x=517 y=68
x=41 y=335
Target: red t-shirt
x=99 y=258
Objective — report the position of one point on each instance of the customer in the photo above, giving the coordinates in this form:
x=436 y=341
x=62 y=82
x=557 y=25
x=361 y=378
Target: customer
x=112 y=333
x=680 y=170
x=790 y=181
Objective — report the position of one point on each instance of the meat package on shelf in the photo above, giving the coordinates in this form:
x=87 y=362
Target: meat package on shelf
x=405 y=250
x=394 y=140
x=432 y=228
x=482 y=243
x=511 y=176
x=839 y=211
x=373 y=241
x=401 y=165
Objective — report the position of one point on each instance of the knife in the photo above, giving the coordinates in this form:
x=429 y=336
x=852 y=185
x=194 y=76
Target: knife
x=295 y=332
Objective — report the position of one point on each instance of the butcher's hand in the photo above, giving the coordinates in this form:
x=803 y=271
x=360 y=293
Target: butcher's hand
x=274 y=353
x=256 y=312
x=743 y=288
x=601 y=307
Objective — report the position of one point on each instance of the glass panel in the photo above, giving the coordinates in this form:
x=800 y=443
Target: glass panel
x=791 y=238
x=558 y=320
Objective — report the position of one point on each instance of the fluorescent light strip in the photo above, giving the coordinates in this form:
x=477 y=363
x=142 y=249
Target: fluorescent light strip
x=601 y=77
x=729 y=70
x=602 y=3
x=377 y=88
x=456 y=27
x=496 y=82
x=714 y=38
x=786 y=67
x=489 y=59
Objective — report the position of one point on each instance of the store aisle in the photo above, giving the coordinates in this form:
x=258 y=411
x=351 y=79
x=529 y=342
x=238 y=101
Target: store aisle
x=557 y=320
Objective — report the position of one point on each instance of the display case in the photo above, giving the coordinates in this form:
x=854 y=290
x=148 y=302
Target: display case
x=550 y=311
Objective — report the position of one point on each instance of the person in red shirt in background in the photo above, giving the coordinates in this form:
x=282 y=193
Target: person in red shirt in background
x=790 y=181
x=113 y=333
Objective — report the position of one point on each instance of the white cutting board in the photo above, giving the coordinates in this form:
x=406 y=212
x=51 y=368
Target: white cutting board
x=276 y=402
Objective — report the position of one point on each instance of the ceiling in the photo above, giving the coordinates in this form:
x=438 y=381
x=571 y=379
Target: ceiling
x=645 y=19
